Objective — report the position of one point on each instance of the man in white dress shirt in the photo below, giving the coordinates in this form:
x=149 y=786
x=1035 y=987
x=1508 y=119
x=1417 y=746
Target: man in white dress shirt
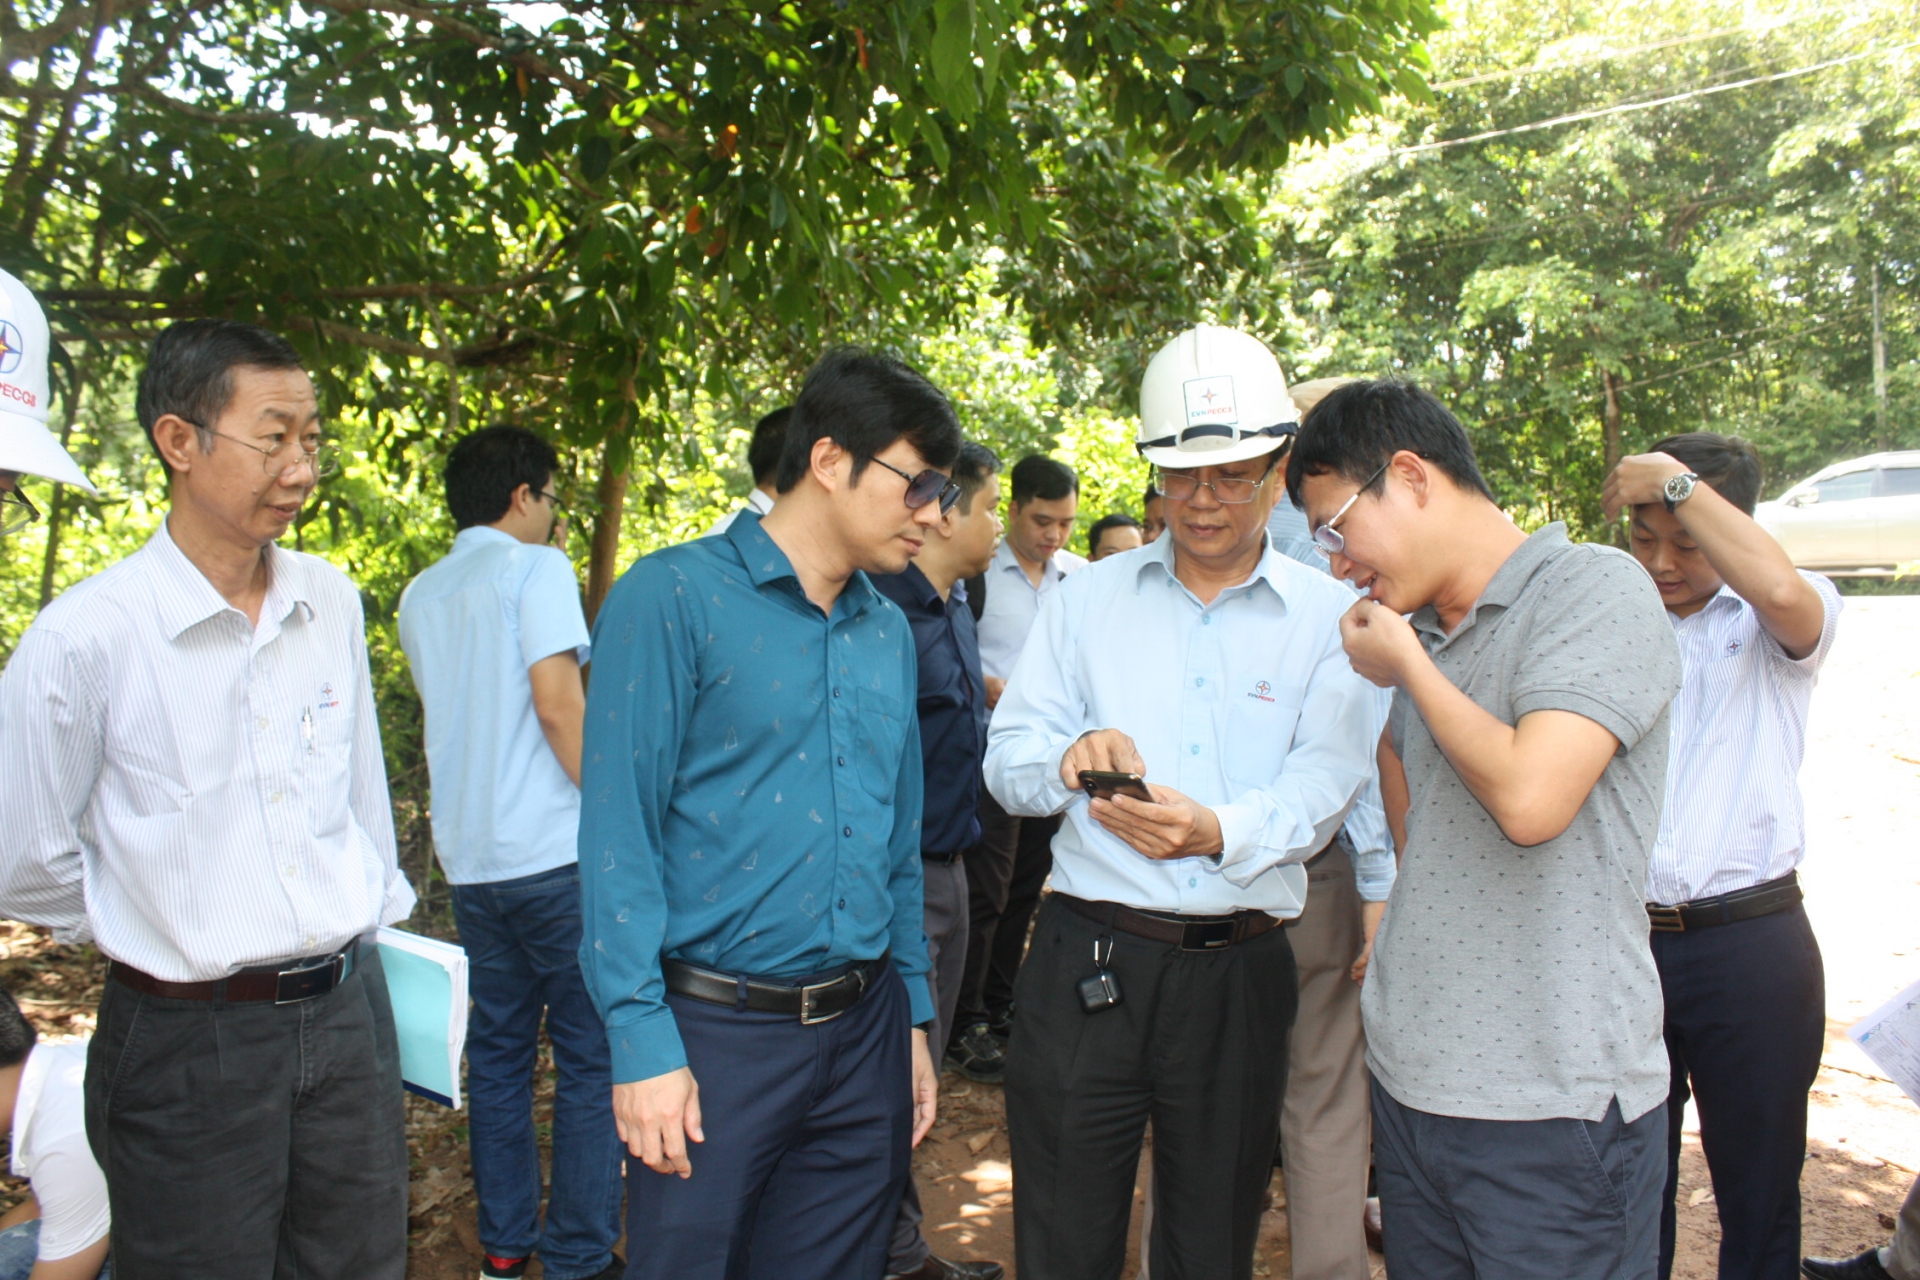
x=1740 y=971
x=191 y=777
x=763 y=459
x=1211 y=665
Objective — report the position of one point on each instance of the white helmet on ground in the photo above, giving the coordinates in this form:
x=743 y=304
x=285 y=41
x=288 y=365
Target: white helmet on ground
x=1213 y=395
x=26 y=446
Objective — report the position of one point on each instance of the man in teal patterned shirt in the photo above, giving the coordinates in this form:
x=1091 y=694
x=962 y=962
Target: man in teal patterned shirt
x=750 y=852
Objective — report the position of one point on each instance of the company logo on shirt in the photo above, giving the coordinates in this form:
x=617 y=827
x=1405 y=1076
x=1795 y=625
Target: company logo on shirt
x=13 y=348
x=1211 y=400
x=1262 y=691
x=328 y=698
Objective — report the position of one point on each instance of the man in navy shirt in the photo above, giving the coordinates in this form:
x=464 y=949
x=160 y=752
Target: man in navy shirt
x=953 y=740
x=750 y=853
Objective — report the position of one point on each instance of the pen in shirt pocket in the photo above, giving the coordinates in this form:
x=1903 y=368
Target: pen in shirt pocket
x=306 y=728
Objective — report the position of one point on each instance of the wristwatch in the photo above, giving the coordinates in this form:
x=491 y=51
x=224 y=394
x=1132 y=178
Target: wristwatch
x=1679 y=489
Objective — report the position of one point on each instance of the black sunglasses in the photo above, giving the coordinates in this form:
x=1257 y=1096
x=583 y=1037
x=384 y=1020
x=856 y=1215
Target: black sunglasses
x=928 y=486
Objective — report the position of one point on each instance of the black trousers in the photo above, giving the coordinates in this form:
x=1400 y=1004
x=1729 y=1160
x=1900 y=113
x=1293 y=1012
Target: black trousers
x=1005 y=872
x=1746 y=1021
x=252 y=1140
x=1199 y=1046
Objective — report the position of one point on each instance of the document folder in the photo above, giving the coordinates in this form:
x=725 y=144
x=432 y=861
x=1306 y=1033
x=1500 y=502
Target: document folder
x=427 y=984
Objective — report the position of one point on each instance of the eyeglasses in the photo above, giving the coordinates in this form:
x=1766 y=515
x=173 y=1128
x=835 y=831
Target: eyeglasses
x=285 y=456
x=16 y=512
x=928 y=486
x=1182 y=485
x=1328 y=540
x=553 y=499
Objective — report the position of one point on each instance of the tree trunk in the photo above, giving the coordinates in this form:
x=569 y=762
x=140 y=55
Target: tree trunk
x=1610 y=419
x=609 y=504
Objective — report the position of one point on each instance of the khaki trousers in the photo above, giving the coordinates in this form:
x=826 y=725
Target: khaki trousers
x=1325 y=1117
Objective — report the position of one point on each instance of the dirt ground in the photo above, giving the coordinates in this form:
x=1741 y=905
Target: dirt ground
x=1862 y=788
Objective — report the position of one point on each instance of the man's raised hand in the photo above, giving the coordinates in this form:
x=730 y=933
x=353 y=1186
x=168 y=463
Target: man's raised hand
x=1173 y=826
x=1379 y=643
x=656 y=1118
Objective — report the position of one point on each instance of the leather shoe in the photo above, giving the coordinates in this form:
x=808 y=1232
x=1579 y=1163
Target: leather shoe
x=978 y=1056
x=937 y=1268
x=1862 y=1266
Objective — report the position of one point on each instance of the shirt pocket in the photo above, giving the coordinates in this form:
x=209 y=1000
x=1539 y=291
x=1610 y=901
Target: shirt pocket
x=327 y=771
x=879 y=738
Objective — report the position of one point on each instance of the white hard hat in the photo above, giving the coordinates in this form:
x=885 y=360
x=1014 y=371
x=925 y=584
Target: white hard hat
x=1213 y=395
x=25 y=443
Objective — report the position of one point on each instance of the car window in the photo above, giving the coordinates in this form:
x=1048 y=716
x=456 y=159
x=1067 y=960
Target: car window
x=1855 y=484
x=1900 y=482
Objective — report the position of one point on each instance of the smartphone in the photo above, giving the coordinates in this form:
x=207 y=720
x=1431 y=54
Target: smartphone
x=1104 y=785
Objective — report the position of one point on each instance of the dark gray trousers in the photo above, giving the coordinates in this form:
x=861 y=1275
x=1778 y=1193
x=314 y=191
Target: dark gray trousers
x=946 y=926
x=1198 y=1045
x=1560 y=1199
x=252 y=1140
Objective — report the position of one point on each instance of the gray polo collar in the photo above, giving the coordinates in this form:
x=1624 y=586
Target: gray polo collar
x=1508 y=581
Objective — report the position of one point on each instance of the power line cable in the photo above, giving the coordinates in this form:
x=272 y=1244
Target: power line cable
x=1608 y=55
x=1621 y=109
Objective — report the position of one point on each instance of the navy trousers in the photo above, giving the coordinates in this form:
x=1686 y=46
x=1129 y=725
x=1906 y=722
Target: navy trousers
x=1746 y=1021
x=1558 y=1199
x=808 y=1133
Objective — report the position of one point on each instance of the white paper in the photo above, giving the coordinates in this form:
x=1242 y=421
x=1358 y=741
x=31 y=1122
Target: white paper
x=1890 y=1035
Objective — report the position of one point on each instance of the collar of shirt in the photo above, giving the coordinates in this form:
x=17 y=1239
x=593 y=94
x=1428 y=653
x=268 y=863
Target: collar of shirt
x=758 y=500
x=191 y=599
x=765 y=564
x=1157 y=563
x=1505 y=587
x=1050 y=573
x=479 y=535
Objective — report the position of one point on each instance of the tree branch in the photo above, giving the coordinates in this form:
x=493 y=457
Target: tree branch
x=531 y=63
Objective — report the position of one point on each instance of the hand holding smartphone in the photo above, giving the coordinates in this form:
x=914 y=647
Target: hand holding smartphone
x=1103 y=784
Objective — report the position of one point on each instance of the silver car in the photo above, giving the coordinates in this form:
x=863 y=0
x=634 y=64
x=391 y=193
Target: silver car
x=1859 y=514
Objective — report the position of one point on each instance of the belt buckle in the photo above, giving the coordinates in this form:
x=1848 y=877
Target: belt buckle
x=1208 y=935
x=808 y=1017
x=1665 y=919
x=297 y=985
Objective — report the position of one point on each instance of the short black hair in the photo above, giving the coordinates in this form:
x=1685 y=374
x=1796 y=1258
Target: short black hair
x=1356 y=429
x=1118 y=520
x=1152 y=496
x=1037 y=476
x=189 y=372
x=971 y=471
x=486 y=466
x=17 y=1035
x=1728 y=463
x=769 y=442
x=864 y=401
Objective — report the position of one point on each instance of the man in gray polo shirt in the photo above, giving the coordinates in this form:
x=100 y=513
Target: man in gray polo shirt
x=1512 y=1008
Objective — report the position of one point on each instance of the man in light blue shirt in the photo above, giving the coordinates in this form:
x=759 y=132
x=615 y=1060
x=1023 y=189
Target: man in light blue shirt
x=1210 y=665
x=496 y=639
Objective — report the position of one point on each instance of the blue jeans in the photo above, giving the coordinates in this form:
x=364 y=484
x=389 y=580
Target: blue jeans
x=20 y=1249
x=523 y=941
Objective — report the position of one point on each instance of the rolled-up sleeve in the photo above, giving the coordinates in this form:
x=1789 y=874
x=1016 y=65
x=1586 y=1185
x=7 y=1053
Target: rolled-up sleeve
x=51 y=755
x=1041 y=713
x=639 y=706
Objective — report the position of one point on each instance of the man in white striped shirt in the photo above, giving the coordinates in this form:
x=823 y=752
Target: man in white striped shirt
x=191 y=777
x=1740 y=970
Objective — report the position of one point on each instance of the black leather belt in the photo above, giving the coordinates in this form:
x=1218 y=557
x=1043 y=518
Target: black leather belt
x=1728 y=908
x=811 y=1003
x=943 y=859
x=286 y=983
x=1189 y=933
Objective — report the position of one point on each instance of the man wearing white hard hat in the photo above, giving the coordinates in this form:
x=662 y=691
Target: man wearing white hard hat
x=26 y=446
x=1160 y=985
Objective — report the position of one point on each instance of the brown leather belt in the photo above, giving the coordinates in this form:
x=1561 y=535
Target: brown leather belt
x=1728 y=908
x=1189 y=933
x=297 y=980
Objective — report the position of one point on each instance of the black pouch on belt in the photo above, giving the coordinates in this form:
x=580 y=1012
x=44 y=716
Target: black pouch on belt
x=1102 y=990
